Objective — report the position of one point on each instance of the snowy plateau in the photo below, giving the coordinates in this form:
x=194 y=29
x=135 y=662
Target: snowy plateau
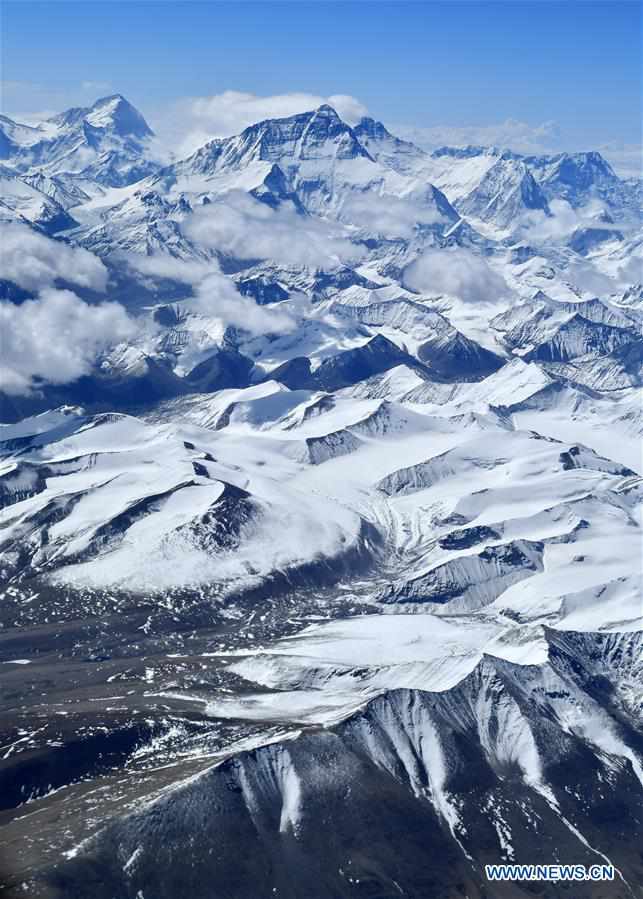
x=320 y=514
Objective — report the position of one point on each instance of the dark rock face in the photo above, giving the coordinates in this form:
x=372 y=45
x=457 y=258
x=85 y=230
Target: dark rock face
x=294 y=374
x=448 y=353
x=630 y=355
x=22 y=481
x=575 y=176
x=275 y=190
x=584 y=240
x=167 y=316
x=12 y=292
x=352 y=366
x=458 y=358
x=49 y=769
x=262 y=291
x=410 y=796
x=344 y=369
x=225 y=368
x=471 y=581
x=328 y=282
x=221 y=526
x=100 y=390
x=468 y=537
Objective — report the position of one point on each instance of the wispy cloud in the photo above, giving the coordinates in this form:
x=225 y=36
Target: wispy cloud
x=626 y=159
x=193 y=121
x=543 y=138
x=31 y=102
x=511 y=133
x=214 y=294
x=562 y=221
x=96 y=88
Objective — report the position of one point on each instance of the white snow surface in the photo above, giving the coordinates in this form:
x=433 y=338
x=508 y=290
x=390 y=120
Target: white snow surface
x=484 y=505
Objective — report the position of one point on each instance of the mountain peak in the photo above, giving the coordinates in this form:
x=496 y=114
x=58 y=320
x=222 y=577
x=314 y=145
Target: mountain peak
x=326 y=110
x=592 y=161
x=372 y=128
x=115 y=112
x=112 y=98
x=307 y=135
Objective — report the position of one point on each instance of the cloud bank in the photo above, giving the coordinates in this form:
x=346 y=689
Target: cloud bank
x=244 y=228
x=33 y=261
x=388 y=216
x=56 y=338
x=519 y=136
x=456 y=272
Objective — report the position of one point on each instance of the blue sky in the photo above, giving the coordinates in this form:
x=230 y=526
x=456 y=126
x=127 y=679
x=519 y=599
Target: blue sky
x=426 y=64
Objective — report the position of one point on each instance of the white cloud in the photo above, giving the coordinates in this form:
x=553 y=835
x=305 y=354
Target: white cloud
x=516 y=135
x=33 y=261
x=586 y=276
x=185 y=271
x=245 y=228
x=193 y=121
x=456 y=272
x=388 y=216
x=215 y=295
x=625 y=159
x=56 y=338
x=563 y=220
x=631 y=272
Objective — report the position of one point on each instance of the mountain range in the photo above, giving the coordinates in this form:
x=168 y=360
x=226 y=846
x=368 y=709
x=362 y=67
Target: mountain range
x=320 y=509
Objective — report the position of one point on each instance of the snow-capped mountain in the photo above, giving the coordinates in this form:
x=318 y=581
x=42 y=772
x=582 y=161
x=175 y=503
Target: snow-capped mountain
x=24 y=203
x=104 y=143
x=579 y=178
x=506 y=191
x=320 y=501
